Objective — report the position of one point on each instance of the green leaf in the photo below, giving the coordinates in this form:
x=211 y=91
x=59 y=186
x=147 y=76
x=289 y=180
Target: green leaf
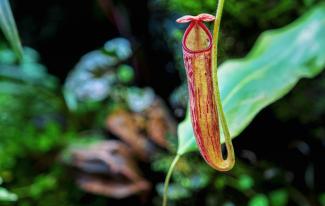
x=279 y=197
x=245 y=182
x=278 y=60
x=258 y=200
x=6 y=196
x=186 y=140
x=322 y=199
x=125 y=73
x=8 y=27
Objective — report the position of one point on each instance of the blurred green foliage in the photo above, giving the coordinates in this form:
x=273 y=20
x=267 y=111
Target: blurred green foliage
x=36 y=107
x=125 y=73
x=246 y=12
x=261 y=184
x=5 y=195
x=98 y=76
x=322 y=199
x=32 y=126
x=279 y=197
x=258 y=200
x=39 y=118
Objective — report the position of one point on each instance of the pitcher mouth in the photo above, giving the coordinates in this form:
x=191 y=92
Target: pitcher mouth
x=188 y=31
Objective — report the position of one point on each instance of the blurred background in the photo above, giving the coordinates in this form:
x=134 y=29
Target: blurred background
x=90 y=116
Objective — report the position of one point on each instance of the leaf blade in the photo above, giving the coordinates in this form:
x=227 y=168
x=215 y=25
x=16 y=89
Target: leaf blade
x=8 y=27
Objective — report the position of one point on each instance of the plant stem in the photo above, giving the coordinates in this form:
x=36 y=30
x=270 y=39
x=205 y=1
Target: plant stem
x=216 y=28
x=223 y=120
x=216 y=32
x=167 y=180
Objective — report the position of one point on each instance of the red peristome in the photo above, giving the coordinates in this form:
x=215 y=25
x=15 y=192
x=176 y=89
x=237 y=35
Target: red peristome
x=197 y=50
x=200 y=17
